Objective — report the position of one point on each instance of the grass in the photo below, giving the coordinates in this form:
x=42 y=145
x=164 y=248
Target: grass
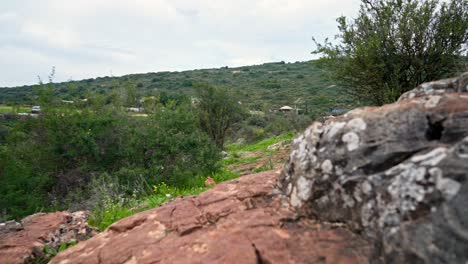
x=236 y=160
x=110 y=211
x=237 y=151
x=259 y=146
x=5 y=109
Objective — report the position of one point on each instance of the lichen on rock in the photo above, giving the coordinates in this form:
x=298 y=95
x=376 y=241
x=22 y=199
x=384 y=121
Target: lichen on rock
x=396 y=174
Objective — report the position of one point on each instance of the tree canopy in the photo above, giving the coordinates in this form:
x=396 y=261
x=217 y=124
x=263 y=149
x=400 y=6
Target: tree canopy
x=394 y=45
x=218 y=109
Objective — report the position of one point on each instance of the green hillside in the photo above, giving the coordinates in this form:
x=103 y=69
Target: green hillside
x=260 y=87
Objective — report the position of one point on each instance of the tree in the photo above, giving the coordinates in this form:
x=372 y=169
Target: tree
x=44 y=94
x=394 y=45
x=218 y=109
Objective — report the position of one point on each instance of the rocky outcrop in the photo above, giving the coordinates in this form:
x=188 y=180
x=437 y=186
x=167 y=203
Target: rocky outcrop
x=23 y=242
x=396 y=174
x=239 y=221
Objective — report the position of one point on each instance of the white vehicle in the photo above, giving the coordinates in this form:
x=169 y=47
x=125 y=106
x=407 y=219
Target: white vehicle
x=36 y=109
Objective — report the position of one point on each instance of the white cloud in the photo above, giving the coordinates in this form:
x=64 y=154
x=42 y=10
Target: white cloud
x=89 y=38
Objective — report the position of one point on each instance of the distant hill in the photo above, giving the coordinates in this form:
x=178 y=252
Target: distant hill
x=269 y=85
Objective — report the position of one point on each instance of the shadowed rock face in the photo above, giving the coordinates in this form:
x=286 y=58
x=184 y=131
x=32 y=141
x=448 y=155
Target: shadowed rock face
x=396 y=173
x=240 y=221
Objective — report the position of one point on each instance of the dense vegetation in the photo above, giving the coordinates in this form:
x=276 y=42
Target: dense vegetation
x=394 y=45
x=261 y=87
x=54 y=159
x=94 y=154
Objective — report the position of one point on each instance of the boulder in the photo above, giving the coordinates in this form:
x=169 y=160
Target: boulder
x=239 y=221
x=396 y=174
x=23 y=242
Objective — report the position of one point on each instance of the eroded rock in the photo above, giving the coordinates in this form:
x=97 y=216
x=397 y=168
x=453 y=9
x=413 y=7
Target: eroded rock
x=23 y=242
x=396 y=174
x=239 y=221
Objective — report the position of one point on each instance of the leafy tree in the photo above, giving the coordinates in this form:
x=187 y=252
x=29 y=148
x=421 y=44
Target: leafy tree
x=44 y=93
x=130 y=94
x=171 y=146
x=394 y=45
x=218 y=109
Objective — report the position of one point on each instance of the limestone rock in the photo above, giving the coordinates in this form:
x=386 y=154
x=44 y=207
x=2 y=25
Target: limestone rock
x=396 y=174
x=25 y=241
x=239 y=221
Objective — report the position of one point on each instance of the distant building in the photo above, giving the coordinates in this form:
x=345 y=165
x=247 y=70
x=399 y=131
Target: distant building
x=286 y=109
x=135 y=109
x=195 y=100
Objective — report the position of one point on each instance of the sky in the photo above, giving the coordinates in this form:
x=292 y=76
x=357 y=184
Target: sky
x=94 y=38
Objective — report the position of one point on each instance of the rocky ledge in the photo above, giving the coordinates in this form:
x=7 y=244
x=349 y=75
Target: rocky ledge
x=24 y=242
x=396 y=174
x=239 y=221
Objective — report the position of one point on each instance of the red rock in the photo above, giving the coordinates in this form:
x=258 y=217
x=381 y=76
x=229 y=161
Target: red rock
x=240 y=221
x=27 y=240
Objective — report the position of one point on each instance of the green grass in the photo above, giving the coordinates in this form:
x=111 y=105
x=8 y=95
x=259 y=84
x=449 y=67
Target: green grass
x=5 y=109
x=259 y=146
x=236 y=160
x=236 y=151
x=110 y=211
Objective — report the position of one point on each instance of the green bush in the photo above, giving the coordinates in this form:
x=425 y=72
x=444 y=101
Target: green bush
x=393 y=46
x=58 y=154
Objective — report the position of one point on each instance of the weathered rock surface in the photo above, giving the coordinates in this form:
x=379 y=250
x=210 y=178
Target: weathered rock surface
x=240 y=221
x=25 y=241
x=396 y=174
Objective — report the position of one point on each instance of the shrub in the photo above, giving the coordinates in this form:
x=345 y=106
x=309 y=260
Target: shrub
x=394 y=45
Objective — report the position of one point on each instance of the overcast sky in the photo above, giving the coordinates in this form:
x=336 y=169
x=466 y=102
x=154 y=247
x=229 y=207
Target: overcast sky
x=91 y=38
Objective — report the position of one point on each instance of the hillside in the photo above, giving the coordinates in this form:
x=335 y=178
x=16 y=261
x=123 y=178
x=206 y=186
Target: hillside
x=261 y=87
